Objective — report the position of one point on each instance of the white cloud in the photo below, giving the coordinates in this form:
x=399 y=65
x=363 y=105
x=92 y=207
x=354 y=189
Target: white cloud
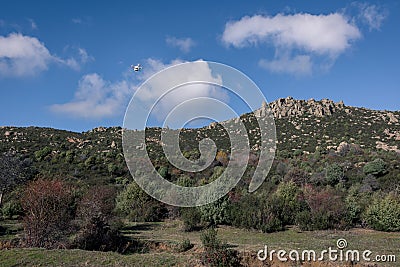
x=298 y=65
x=184 y=44
x=322 y=34
x=305 y=36
x=158 y=89
x=95 y=98
x=22 y=55
x=371 y=15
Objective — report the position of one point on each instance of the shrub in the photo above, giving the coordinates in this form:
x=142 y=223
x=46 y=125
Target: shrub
x=356 y=202
x=377 y=167
x=298 y=176
x=95 y=220
x=191 y=218
x=48 y=213
x=304 y=220
x=288 y=195
x=41 y=154
x=215 y=212
x=384 y=213
x=246 y=212
x=272 y=224
x=215 y=252
x=11 y=208
x=334 y=174
x=369 y=183
x=137 y=205
x=13 y=172
x=325 y=210
x=209 y=238
x=281 y=168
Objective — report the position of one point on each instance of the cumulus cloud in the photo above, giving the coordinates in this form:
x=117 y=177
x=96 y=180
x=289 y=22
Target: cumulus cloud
x=184 y=44
x=96 y=98
x=22 y=55
x=304 y=35
x=322 y=34
x=158 y=91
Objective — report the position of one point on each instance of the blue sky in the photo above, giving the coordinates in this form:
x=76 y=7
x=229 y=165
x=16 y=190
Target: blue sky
x=65 y=64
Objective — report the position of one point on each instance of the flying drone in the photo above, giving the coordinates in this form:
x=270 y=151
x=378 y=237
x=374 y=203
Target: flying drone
x=136 y=68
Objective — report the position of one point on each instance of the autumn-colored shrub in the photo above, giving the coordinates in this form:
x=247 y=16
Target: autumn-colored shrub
x=326 y=210
x=48 y=212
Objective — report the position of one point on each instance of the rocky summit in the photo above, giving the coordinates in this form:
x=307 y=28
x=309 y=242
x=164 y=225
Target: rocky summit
x=286 y=107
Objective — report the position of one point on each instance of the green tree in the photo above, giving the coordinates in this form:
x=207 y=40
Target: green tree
x=334 y=174
x=216 y=212
x=138 y=205
x=384 y=213
x=13 y=172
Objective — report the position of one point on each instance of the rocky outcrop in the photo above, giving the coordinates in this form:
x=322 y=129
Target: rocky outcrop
x=392 y=118
x=286 y=107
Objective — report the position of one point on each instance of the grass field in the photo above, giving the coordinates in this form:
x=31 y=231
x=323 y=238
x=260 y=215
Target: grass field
x=161 y=238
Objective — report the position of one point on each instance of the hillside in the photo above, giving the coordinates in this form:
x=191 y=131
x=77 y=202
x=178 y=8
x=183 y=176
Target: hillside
x=336 y=168
x=300 y=125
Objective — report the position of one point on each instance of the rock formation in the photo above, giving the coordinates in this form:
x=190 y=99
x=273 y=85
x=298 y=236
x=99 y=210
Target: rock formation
x=286 y=107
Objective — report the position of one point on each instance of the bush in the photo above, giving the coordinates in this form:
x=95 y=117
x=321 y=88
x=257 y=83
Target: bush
x=298 y=176
x=138 y=206
x=215 y=252
x=191 y=218
x=10 y=209
x=369 y=183
x=209 y=238
x=334 y=174
x=304 y=220
x=288 y=202
x=97 y=225
x=47 y=205
x=326 y=210
x=246 y=212
x=272 y=224
x=377 y=167
x=215 y=212
x=356 y=202
x=41 y=154
x=384 y=213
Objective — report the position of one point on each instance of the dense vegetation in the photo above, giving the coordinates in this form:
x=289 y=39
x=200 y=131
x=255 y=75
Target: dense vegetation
x=73 y=189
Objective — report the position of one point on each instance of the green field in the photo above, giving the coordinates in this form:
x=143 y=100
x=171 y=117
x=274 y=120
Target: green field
x=161 y=238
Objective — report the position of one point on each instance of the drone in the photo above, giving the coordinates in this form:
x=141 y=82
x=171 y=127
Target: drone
x=136 y=68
